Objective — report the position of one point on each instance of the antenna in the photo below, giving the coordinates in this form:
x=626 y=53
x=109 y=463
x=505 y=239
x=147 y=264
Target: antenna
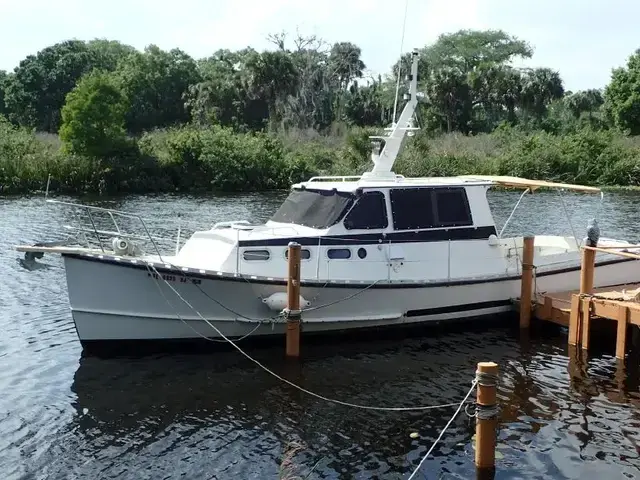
x=404 y=25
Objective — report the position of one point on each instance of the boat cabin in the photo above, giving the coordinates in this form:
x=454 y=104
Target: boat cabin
x=400 y=229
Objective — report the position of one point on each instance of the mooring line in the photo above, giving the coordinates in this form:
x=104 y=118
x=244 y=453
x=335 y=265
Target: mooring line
x=464 y=400
x=259 y=323
x=284 y=380
x=340 y=300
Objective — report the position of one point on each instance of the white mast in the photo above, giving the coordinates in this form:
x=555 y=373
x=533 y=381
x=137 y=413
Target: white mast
x=383 y=161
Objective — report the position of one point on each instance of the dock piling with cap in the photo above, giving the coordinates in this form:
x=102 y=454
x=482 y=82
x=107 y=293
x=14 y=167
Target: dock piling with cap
x=526 y=288
x=293 y=302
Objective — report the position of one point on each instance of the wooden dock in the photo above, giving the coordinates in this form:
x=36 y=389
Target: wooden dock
x=577 y=308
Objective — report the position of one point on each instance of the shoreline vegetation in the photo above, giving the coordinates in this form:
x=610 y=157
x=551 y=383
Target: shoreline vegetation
x=101 y=117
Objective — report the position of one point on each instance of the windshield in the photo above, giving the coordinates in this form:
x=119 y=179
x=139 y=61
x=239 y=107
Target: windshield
x=313 y=208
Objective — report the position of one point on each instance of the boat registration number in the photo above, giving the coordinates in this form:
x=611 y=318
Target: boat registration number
x=175 y=278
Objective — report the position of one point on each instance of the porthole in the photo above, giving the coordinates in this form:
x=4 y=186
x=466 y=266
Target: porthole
x=252 y=255
x=362 y=252
x=305 y=254
x=339 y=253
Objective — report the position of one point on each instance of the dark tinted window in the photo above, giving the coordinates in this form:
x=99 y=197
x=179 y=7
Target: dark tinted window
x=313 y=208
x=412 y=208
x=452 y=207
x=339 y=253
x=370 y=211
x=418 y=208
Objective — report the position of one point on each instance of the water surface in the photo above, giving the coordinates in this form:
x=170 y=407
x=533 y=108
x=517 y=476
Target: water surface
x=205 y=415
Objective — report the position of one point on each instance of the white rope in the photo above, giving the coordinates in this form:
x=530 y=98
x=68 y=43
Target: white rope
x=340 y=300
x=284 y=380
x=220 y=304
x=566 y=212
x=512 y=212
x=464 y=400
x=193 y=329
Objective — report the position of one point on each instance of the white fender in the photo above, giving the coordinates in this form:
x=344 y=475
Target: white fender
x=278 y=301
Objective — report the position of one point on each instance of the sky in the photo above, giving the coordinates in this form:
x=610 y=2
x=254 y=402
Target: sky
x=582 y=39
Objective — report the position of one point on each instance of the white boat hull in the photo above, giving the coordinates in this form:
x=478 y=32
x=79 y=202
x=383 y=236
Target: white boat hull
x=116 y=299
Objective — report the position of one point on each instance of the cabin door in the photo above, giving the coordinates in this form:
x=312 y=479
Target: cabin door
x=396 y=261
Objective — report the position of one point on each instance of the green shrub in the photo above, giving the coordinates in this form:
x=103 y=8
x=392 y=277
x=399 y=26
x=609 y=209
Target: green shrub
x=191 y=159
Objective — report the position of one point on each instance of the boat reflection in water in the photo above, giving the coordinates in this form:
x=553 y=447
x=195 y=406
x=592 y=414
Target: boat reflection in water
x=199 y=414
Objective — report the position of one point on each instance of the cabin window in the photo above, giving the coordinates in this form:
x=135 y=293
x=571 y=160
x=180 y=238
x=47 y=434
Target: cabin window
x=420 y=208
x=314 y=208
x=339 y=253
x=452 y=207
x=412 y=208
x=370 y=211
x=252 y=255
x=305 y=254
x=362 y=252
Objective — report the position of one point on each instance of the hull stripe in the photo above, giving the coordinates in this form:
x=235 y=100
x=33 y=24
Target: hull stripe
x=441 y=235
x=458 y=308
x=227 y=277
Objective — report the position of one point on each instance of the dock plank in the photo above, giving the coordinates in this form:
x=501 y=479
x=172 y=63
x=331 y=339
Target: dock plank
x=556 y=306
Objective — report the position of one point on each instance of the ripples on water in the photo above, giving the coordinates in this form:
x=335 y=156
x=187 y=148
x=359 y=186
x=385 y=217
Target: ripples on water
x=196 y=416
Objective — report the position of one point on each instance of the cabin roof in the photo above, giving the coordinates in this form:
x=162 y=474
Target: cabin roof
x=352 y=183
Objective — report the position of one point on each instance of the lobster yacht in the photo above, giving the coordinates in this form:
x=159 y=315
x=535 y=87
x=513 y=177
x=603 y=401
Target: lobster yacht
x=377 y=250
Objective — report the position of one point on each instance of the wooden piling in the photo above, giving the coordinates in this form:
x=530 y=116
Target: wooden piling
x=586 y=271
x=585 y=321
x=527 y=282
x=293 y=302
x=621 y=337
x=486 y=421
x=574 y=321
x=586 y=288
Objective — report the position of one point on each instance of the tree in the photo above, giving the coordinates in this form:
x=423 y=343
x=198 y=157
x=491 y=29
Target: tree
x=93 y=116
x=622 y=96
x=156 y=83
x=496 y=91
x=468 y=49
x=223 y=96
x=583 y=101
x=272 y=77
x=509 y=91
x=36 y=92
x=313 y=103
x=540 y=86
x=449 y=96
x=345 y=63
x=109 y=53
x=364 y=106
